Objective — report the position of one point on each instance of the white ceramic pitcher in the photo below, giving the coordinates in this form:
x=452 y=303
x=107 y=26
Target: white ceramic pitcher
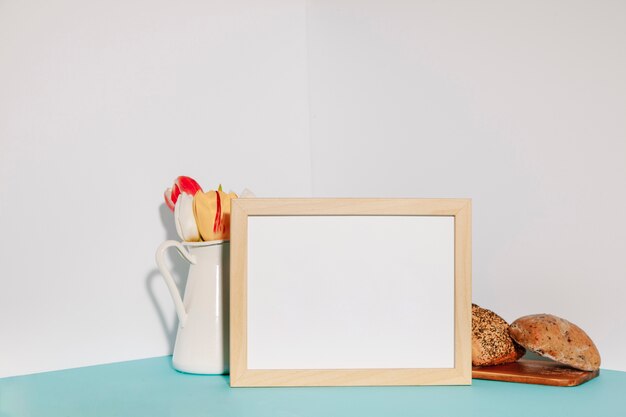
x=202 y=339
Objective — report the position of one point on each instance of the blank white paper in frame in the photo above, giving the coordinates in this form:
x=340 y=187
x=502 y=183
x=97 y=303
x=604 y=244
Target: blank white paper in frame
x=350 y=292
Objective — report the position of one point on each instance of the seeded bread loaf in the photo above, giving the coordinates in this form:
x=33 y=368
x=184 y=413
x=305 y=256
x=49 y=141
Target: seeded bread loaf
x=491 y=342
x=557 y=339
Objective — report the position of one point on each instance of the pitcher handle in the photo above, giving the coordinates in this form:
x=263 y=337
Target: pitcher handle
x=167 y=276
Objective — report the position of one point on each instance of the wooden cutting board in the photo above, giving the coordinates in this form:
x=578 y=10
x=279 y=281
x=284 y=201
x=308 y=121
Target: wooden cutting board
x=539 y=372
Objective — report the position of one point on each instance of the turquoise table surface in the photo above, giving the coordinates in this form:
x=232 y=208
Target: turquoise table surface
x=151 y=387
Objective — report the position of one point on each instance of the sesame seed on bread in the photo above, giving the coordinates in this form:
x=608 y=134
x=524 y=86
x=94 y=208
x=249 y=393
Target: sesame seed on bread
x=491 y=342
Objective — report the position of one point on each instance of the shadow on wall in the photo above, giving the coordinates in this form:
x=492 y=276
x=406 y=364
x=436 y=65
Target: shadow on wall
x=179 y=269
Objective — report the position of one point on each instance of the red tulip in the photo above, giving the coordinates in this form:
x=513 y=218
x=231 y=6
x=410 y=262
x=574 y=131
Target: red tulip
x=182 y=184
x=168 y=198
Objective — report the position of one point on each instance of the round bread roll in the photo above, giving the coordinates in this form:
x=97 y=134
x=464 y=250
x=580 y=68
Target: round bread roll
x=491 y=342
x=557 y=339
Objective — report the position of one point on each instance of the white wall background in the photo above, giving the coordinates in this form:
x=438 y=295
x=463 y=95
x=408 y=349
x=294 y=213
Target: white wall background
x=519 y=106
x=102 y=106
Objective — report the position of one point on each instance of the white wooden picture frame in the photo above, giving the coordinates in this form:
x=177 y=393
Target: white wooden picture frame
x=329 y=292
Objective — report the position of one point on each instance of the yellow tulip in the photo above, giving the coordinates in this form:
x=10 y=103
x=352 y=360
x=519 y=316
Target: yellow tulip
x=212 y=213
